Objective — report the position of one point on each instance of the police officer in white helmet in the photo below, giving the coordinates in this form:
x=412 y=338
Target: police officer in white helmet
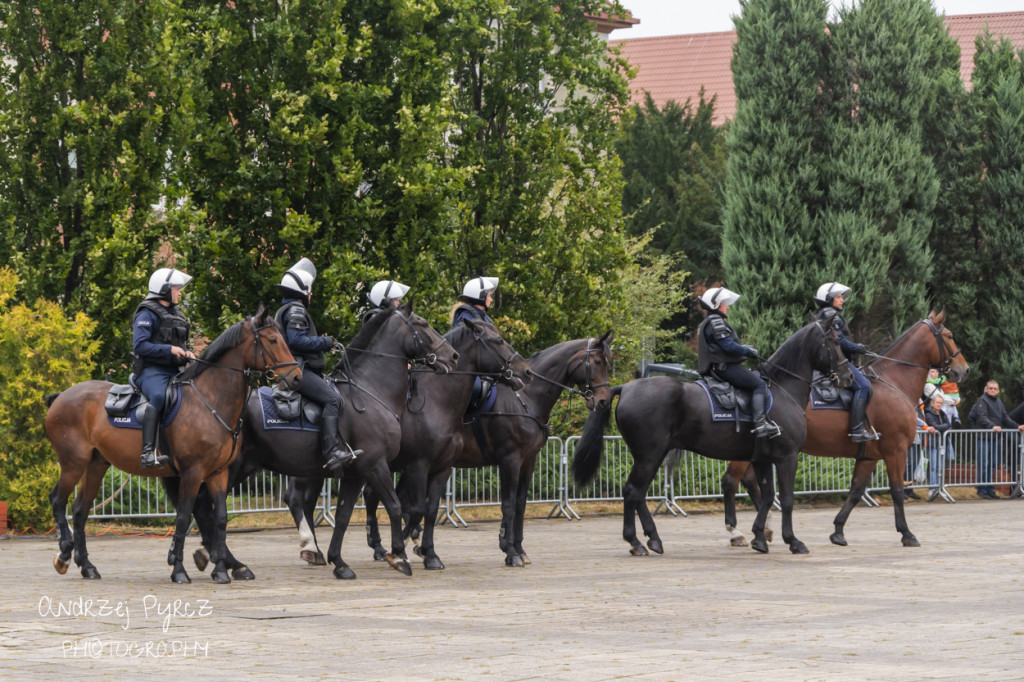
x=384 y=295
x=477 y=297
x=293 y=317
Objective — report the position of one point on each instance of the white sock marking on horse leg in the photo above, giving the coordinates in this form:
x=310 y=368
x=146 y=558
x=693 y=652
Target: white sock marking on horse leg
x=306 y=538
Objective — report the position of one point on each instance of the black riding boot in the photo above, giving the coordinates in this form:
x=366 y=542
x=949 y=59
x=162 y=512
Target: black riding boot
x=762 y=427
x=858 y=431
x=150 y=418
x=335 y=456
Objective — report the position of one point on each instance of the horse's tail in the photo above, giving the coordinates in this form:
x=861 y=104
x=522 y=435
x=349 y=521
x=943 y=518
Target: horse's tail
x=50 y=397
x=587 y=458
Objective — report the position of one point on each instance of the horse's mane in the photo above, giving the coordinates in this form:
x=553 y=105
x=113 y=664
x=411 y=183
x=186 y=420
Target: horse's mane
x=789 y=353
x=362 y=339
x=550 y=349
x=457 y=332
x=221 y=345
x=899 y=339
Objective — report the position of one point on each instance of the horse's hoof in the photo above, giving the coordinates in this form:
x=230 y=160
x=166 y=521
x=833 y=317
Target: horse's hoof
x=769 y=534
x=656 y=546
x=526 y=559
x=911 y=541
x=638 y=550
x=180 y=578
x=399 y=564
x=242 y=573
x=220 y=577
x=59 y=565
x=90 y=573
x=838 y=539
x=513 y=560
x=202 y=559
x=759 y=546
x=417 y=550
x=738 y=541
x=343 y=572
x=432 y=563
x=797 y=547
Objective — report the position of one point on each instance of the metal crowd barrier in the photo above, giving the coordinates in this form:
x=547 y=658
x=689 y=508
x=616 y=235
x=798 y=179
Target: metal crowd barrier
x=958 y=458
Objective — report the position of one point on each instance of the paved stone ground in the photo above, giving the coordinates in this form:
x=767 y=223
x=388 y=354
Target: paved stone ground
x=584 y=610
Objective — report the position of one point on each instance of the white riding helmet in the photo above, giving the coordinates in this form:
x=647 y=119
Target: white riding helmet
x=717 y=296
x=161 y=281
x=386 y=288
x=829 y=290
x=299 y=278
x=477 y=288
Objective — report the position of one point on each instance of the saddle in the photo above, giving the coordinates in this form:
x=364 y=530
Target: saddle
x=291 y=405
x=482 y=400
x=124 y=399
x=825 y=395
x=727 y=395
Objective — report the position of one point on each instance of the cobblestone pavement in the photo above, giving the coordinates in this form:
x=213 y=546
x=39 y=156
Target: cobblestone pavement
x=584 y=610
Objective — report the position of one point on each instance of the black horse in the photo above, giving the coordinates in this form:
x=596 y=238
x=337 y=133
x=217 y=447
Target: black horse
x=431 y=420
x=660 y=414
x=509 y=436
x=373 y=380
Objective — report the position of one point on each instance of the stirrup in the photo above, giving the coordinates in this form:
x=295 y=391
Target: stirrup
x=767 y=429
x=338 y=458
x=151 y=459
x=862 y=435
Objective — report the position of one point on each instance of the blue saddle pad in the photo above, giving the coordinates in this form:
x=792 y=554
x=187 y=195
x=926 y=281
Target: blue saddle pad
x=131 y=420
x=723 y=414
x=272 y=421
x=819 y=403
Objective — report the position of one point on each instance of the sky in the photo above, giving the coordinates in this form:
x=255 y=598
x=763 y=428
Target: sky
x=673 y=17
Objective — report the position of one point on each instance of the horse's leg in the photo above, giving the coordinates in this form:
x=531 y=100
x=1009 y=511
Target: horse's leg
x=379 y=480
x=509 y=477
x=373 y=539
x=763 y=477
x=436 y=485
x=87 y=490
x=72 y=468
x=348 y=491
x=188 y=490
x=216 y=502
x=634 y=499
x=895 y=467
x=862 y=470
x=301 y=497
x=787 y=484
x=729 y=487
x=412 y=491
x=522 y=493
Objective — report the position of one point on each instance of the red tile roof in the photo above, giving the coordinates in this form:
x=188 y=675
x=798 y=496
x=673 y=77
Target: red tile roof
x=675 y=67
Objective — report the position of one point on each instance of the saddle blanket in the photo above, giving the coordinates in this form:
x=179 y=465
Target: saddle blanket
x=724 y=414
x=819 y=403
x=131 y=420
x=272 y=421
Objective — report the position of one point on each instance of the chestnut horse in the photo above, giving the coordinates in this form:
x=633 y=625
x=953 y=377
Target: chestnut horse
x=202 y=438
x=897 y=376
x=660 y=414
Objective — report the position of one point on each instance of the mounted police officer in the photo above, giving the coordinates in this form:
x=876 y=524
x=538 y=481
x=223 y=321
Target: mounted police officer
x=296 y=290
x=720 y=354
x=384 y=295
x=160 y=335
x=830 y=297
x=477 y=296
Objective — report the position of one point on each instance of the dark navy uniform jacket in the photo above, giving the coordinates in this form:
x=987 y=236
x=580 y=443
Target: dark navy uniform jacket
x=300 y=334
x=470 y=312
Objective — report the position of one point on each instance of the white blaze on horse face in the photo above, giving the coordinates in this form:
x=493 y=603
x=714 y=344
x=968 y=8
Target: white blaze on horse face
x=307 y=540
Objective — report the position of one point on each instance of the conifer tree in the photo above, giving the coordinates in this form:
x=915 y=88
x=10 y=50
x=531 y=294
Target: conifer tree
x=771 y=252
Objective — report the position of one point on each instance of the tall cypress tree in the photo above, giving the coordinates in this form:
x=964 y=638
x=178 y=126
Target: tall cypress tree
x=889 y=57
x=999 y=82
x=774 y=191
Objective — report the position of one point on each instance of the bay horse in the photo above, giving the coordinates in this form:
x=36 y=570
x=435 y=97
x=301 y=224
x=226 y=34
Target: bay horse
x=202 y=438
x=373 y=380
x=431 y=423
x=509 y=436
x=660 y=414
x=898 y=376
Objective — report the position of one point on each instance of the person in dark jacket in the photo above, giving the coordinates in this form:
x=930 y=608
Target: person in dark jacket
x=990 y=413
x=720 y=354
x=384 y=295
x=937 y=422
x=476 y=299
x=293 y=317
x=830 y=298
x=160 y=335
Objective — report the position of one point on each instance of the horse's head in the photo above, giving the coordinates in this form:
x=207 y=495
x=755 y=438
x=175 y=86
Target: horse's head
x=946 y=356
x=270 y=351
x=421 y=342
x=590 y=371
x=829 y=358
x=495 y=356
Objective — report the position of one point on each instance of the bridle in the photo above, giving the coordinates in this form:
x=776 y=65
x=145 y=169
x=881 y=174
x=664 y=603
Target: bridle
x=505 y=375
x=946 y=356
x=836 y=360
x=427 y=358
x=587 y=393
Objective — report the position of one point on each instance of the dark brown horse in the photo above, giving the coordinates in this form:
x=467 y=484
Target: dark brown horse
x=897 y=377
x=512 y=434
x=660 y=414
x=201 y=438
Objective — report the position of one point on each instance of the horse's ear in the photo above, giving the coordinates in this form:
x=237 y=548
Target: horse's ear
x=473 y=324
x=406 y=306
x=261 y=314
x=608 y=337
x=937 y=318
